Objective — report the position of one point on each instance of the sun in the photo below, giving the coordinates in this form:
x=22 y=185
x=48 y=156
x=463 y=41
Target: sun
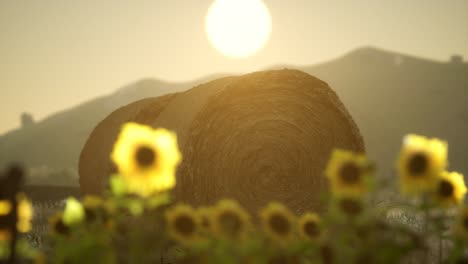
x=238 y=28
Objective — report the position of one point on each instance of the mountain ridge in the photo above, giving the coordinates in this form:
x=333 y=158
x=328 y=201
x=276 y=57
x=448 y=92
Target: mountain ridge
x=385 y=92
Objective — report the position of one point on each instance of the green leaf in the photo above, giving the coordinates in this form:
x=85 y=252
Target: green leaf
x=4 y=250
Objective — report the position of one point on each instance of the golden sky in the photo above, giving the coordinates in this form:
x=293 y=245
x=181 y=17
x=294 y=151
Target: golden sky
x=55 y=54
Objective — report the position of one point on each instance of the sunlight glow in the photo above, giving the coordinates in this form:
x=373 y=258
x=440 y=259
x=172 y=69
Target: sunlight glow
x=238 y=28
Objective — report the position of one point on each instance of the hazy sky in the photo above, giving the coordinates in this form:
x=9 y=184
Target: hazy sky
x=57 y=53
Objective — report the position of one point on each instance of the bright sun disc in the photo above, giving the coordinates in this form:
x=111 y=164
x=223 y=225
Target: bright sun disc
x=238 y=28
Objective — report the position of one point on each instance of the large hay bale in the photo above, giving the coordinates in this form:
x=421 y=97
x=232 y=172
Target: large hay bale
x=258 y=137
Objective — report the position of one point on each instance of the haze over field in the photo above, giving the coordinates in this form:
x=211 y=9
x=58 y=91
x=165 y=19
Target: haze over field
x=55 y=54
x=388 y=94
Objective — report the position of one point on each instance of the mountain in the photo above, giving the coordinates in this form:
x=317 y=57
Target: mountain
x=51 y=147
x=389 y=95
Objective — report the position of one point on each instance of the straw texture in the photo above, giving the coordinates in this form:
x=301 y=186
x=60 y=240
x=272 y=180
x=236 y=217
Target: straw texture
x=256 y=138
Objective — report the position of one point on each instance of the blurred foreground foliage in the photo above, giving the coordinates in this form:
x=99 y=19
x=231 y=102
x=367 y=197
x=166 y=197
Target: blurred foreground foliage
x=136 y=221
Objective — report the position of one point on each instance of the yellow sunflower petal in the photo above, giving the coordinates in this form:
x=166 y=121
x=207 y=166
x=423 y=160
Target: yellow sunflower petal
x=230 y=220
x=183 y=223
x=24 y=210
x=309 y=226
x=450 y=189
x=349 y=173
x=420 y=162
x=278 y=222
x=147 y=158
x=5 y=207
x=25 y=214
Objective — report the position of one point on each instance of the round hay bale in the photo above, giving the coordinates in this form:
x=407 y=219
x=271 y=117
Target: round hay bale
x=256 y=138
x=95 y=165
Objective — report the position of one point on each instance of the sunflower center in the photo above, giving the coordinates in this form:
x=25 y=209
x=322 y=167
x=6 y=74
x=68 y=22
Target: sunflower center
x=185 y=225
x=311 y=229
x=145 y=156
x=230 y=223
x=279 y=224
x=445 y=188
x=349 y=173
x=418 y=164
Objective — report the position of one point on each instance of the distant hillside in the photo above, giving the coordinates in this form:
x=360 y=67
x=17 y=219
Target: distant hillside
x=52 y=146
x=388 y=94
x=391 y=94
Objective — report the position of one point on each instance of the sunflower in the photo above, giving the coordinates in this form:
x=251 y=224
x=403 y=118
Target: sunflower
x=229 y=219
x=309 y=226
x=420 y=162
x=450 y=189
x=24 y=211
x=278 y=222
x=25 y=214
x=146 y=158
x=349 y=173
x=461 y=223
x=183 y=223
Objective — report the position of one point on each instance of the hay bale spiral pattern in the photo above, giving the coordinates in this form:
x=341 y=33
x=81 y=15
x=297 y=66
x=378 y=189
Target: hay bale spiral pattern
x=258 y=137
